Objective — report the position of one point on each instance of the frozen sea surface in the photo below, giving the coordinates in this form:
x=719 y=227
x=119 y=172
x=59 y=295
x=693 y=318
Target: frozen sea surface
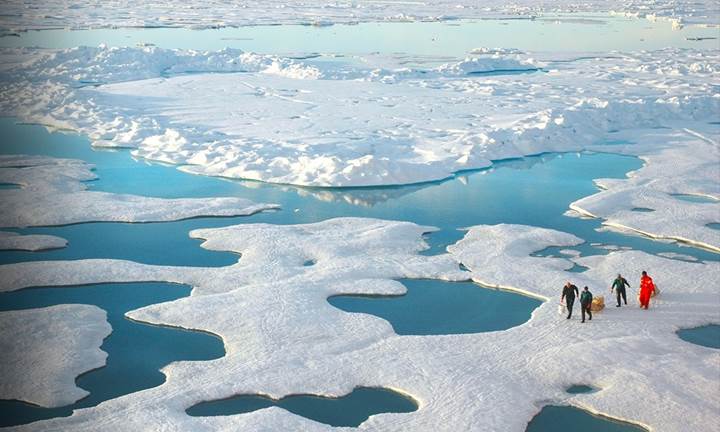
x=533 y=191
x=22 y=15
x=385 y=119
x=135 y=351
x=261 y=281
x=409 y=41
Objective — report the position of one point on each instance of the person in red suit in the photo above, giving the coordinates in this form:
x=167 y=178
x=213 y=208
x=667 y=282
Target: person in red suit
x=647 y=287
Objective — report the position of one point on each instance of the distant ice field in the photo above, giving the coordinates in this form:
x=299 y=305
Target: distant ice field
x=592 y=32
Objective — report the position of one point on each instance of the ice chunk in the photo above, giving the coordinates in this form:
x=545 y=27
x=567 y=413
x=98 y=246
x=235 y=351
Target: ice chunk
x=42 y=351
x=33 y=242
x=56 y=184
x=677 y=162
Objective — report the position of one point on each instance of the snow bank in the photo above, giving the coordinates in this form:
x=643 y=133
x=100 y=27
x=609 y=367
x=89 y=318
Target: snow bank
x=282 y=337
x=479 y=65
x=33 y=242
x=102 y=64
x=42 y=351
x=21 y=15
x=49 y=183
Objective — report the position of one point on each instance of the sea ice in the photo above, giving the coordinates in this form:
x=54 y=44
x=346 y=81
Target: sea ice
x=676 y=162
x=42 y=351
x=32 y=242
x=290 y=121
x=25 y=14
x=282 y=337
x=50 y=183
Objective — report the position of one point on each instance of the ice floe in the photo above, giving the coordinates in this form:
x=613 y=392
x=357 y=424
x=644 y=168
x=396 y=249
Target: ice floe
x=292 y=121
x=42 y=351
x=283 y=338
x=50 y=183
x=22 y=15
x=31 y=242
x=677 y=162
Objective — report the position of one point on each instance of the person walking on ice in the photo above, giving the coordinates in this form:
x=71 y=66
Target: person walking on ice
x=619 y=285
x=585 y=303
x=568 y=294
x=647 y=287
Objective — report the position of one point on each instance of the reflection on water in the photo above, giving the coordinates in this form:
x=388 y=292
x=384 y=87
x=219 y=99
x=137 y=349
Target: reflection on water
x=533 y=191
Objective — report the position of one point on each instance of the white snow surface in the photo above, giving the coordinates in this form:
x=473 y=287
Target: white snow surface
x=282 y=337
x=292 y=121
x=676 y=162
x=31 y=242
x=42 y=351
x=35 y=14
x=51 y=183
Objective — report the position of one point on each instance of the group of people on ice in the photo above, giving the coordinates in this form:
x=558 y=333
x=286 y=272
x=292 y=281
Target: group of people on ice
x=570 y=291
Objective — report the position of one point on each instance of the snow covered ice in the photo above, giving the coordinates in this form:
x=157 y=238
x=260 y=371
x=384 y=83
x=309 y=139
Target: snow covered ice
x=290 y=121
x=43 y=350
x=278 y=361
x=15 y=241
x=22 y=15
x=311 y=122
x=50 y=183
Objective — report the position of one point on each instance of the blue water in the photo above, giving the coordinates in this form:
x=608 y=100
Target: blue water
x=580 y=389
x=349 y=410
x=571 y=419
x=707 y=336
x=136 y=351
x=695 y=198
x=534 y=190
x=465 y=307
x=551 y=33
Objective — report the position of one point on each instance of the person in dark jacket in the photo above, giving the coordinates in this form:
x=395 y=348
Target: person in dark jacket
x=568 y=294
x=585 y=304
x=618 y=286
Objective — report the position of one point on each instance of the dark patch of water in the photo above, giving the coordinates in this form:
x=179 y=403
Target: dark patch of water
x=707 y=336
x=580 y=389
x=433 y=307
x=567 y=418
x=695 y=198
x=350 y=410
